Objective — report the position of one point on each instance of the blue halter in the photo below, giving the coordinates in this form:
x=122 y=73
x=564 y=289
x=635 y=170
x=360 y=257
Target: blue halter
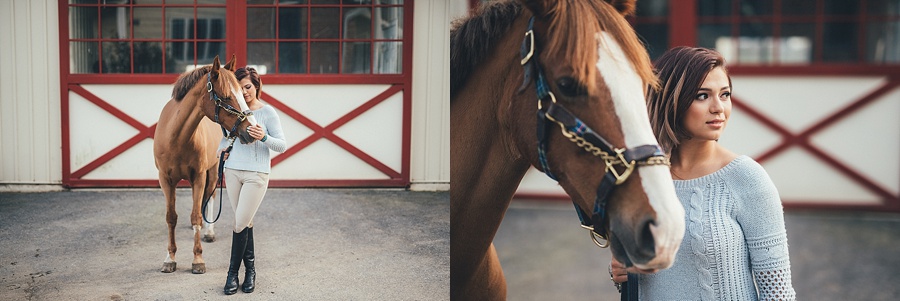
x=579 y=133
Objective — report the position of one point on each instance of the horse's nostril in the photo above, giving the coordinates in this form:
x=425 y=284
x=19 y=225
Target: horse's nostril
x=645 y=239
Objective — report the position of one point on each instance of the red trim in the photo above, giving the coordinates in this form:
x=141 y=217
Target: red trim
x=682 y=20
x=63 y=12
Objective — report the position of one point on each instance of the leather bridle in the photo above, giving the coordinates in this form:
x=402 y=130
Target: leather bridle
x=586 y=138
x=222 y=105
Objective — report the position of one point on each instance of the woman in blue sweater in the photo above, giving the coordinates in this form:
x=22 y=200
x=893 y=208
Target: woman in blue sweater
x=735 y=243
x=247 y=170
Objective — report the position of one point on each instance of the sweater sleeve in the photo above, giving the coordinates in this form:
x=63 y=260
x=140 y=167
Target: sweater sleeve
x=761 y=217
x=275 y=141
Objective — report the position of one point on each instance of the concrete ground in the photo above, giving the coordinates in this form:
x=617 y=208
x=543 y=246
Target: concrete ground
x=311 y=244
x=834 y=255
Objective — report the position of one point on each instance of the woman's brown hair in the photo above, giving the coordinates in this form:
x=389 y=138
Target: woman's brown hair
x=243 y=72
x=680 y=71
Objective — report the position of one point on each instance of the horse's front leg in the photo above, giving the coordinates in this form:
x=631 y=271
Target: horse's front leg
x=168 y=189
x=212 y=176
x=198 y=266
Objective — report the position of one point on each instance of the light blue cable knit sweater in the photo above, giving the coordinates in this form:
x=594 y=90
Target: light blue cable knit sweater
x=734 y=232
x=255 y=156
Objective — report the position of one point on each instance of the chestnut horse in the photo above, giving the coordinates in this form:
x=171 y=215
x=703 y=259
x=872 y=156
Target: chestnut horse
x=185 y=143
x=581 y=68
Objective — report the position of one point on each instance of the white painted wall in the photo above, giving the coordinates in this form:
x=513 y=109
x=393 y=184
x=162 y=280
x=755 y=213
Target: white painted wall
x=30 y=144
x=430 y=166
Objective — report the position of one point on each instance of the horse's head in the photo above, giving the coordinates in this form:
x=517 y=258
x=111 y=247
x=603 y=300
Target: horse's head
x=226 y=105
x=589 y=72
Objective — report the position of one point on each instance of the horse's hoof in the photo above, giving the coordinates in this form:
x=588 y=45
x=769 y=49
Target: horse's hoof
x=168 y=267
x=198 y=268
x=209 y=238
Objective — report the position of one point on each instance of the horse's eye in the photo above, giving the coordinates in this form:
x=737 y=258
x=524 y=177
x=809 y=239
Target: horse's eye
x=569 y=87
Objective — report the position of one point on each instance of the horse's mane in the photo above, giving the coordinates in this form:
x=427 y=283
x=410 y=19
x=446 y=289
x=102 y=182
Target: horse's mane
x=187 y=80
x=472 y=38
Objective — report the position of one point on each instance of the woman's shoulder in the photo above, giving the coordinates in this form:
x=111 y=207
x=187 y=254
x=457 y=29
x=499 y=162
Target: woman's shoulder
x=749 y=176
x=267 y=109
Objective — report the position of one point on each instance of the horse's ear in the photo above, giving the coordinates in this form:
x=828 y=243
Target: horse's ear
x=625 y=7
x=230 y=64
x=215 y=64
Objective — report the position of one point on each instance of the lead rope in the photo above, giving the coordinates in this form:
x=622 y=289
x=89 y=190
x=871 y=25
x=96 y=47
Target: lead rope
x=219 y=183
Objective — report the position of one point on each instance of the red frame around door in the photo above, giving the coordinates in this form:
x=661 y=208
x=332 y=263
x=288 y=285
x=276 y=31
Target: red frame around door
x=236 y=35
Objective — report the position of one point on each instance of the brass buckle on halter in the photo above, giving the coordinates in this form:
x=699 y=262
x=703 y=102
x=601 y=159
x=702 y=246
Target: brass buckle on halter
x=620 y=158
x=595 y=237
x=529 y=35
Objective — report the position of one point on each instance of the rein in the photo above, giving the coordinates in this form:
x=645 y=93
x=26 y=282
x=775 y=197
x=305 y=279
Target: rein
x=213 y=96
x=586 y=138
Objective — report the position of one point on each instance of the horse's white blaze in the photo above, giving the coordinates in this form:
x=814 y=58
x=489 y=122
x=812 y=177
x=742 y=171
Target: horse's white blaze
x=243 y=103
x=626 y=89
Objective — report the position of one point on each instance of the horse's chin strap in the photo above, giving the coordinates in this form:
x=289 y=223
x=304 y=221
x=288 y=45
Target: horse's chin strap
x=221 y=105
x=619 y=162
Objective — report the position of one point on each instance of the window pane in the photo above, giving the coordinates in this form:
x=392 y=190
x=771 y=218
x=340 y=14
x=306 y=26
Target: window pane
x=148 y=57
x=839 y=42
x=222 y=2
x=292 y=23
x=356 y=57
x=884 y=7
x=148 y=23
x=207 y=51
x=83 y=22
x=181 y=22
x=211 y=23
x=291 y=57
x=325 y=23
x=83 y=1
x=755 y=44
x=325 y=2
x=261 y=54
x=841 y=7
x=655 y=38
x=116 y=57
x=717 y=36
x=797 y=7
x=398 y=2
x=357 y=23
x=389 y=23
x=114 y=22
x=653 y=8
x=179 y=55
x=323 y=57
x=84 y=57
x=883 y=42
x=714 y=8
x=756 y=7
x=389 y=57
x=260 y=23
x=179 y=1
x=796 y=43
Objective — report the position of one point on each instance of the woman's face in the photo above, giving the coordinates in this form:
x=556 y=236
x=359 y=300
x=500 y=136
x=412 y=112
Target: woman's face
x=711 y=108
x=249 y=89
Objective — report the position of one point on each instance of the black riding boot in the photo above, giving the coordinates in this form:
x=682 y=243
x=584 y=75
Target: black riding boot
x=249 y=268
x=238 y=245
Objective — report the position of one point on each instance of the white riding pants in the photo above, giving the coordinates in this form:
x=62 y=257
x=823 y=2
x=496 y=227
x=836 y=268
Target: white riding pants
x=246 y=190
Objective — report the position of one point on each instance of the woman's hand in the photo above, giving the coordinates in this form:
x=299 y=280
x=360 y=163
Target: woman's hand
x=256 y=131
x=219 y=152
x=617 y=269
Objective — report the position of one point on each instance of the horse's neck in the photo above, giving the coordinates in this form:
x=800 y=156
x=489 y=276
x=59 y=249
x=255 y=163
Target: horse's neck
x=486 y=171
x=188 y=116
